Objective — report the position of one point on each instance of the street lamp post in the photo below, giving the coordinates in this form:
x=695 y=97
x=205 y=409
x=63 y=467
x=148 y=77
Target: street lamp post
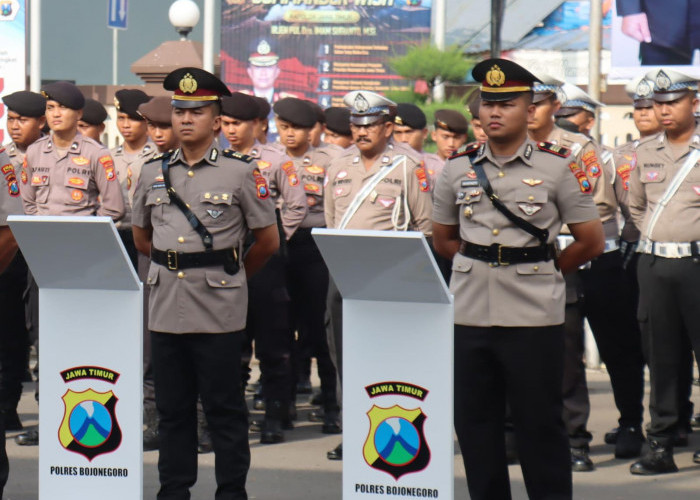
x=183 y=15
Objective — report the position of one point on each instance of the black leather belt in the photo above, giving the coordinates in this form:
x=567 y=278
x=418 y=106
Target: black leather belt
x=504 y=255
x=174 y=260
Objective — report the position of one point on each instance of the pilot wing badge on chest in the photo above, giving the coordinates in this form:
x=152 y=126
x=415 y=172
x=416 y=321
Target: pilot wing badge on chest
x=215 y=214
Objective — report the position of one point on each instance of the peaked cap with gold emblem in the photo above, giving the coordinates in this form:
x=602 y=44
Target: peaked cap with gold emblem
x=502 y=80
x=670 y=85
x=262 y=54
x=194 y=88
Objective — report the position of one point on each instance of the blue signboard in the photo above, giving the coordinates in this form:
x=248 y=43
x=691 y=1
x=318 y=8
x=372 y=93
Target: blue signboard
x=117 y=14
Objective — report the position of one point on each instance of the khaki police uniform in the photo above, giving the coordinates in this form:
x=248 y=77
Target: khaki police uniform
x=283 y=182
x=16 y=155
x=523 y=301
x=269 y=315
x=347 y=175
x=14 y=340
x=668 y=273
x=82 y=182
x=10 y=296
x=222 y=193
x=128 y=168
x=307 y=280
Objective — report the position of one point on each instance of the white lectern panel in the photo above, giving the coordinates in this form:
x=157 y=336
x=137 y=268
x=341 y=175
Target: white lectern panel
x=49 y=245
x=382 y=265
x=397 y=365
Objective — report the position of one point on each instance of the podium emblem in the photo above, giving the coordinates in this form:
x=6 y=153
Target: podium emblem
x=89 y=425
x=396 y=443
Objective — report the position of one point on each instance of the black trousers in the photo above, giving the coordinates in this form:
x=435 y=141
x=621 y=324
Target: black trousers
x=334 y=326
x=14 y=338
x=523 y=367
x=207 y=365
x=669 y=313
x=610 y=304
x=269 y=324
x=307 y=281
x=576 y=403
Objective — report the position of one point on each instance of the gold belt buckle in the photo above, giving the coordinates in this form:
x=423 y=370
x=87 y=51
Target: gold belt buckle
x=172 y=260
x=500 y=259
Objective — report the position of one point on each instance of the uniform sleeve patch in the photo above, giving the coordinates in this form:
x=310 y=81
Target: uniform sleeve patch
x=590 y=160
x=229 y=153
x=262 y=165
x=11 y=179
x=554 y=149
x=108 y=165
x=291 y=172
x=422 y=178
x=624 y=171
x=262 y=191
x=580 y=175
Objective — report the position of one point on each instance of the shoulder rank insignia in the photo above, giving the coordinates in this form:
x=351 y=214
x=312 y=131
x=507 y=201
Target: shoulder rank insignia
x=229 y=153
x=555 y=149
x=580 y=175
x=160 y=156
x=468 y=150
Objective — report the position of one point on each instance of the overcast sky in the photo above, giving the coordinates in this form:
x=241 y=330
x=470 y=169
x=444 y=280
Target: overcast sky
x=77 y=45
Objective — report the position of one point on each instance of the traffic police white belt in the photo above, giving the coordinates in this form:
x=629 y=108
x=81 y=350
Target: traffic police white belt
x=670 y=250
x=564 y=240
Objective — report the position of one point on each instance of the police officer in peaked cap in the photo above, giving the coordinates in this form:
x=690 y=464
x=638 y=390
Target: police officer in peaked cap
x=508 y=286
x=664 y=194
x=192 y=210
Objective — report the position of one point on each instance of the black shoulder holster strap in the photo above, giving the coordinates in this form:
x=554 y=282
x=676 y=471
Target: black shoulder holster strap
x=207 y=238
x=541 y=234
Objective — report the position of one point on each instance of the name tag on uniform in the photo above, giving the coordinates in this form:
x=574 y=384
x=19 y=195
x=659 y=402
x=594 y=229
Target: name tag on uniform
x=158 y=185
x=470 y=183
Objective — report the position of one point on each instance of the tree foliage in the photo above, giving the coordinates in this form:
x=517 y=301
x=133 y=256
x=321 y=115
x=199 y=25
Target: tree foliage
x=427 y=62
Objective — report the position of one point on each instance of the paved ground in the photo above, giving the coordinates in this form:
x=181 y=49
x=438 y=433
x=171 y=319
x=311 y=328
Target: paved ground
x=298 y=469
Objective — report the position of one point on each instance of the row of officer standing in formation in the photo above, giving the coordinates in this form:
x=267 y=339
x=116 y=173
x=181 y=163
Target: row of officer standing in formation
x=535 y=225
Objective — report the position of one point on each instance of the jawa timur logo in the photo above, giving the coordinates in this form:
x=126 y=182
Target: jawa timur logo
x=396 y=441
x=89 y=426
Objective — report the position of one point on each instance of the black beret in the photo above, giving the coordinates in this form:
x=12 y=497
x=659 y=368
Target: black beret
x=64 y=93
x=410 y=115
x=295 y=111
x=26 y=103
x=320 y=116
x=240 y=106
x=94 y=112
x=338 y=120
x=263 y=107
x=194 y=87
x=502 y=80
x=157 y=110
x=473 y=104
x=128 y=101
x=451 y=120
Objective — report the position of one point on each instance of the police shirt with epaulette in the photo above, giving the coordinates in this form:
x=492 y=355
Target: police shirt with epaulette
x=229 y=195
x=310 y=169
x=347 y=175
x=657 y=164
x=540 y=184
x=10 y=201
x=283 y=183
x=128 y=168
x=80 y=181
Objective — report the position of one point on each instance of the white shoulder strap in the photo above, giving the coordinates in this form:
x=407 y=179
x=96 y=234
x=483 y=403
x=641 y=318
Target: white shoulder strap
x=363 y=193
x=672 y=188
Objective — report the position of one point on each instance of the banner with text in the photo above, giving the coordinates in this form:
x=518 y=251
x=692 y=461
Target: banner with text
x=318 y=49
